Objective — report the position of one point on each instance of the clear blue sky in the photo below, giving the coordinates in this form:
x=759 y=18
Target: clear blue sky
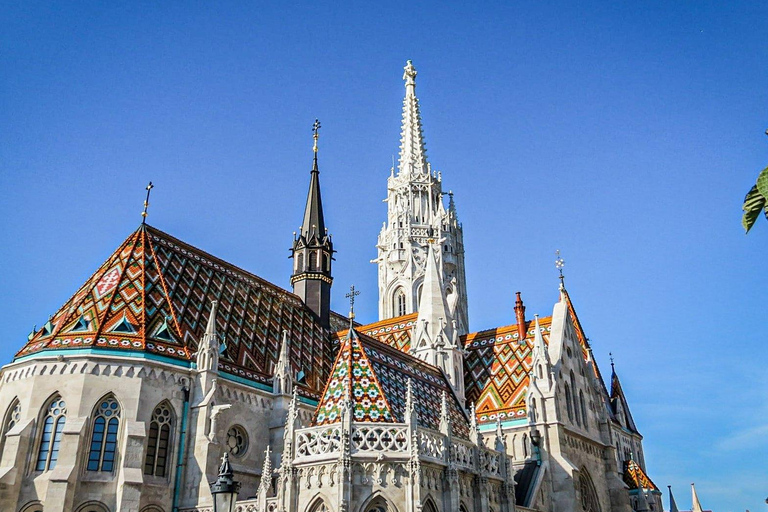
x=625 y=135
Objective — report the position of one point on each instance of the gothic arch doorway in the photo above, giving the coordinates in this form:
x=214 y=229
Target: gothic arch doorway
x=379 y=504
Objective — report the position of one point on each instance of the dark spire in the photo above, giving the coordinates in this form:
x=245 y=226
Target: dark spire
x=312 y=250
x=520 y=316
x=314 y=223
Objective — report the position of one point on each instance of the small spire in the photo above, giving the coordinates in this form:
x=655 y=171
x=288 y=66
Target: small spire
x=559 y=264
x=695 y=503
x=146 y=203
x=613 y=368
x=413 y=155
x=266 y=473
x=520 y=317
x=672 y=503
x=445 y=418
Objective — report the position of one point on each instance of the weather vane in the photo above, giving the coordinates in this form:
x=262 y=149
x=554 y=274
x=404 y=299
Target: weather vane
x=315 y=134
x=351 y=296
x=146 y=203
x=559 y=264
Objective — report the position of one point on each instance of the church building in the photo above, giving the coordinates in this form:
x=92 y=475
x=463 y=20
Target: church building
x=168 y=360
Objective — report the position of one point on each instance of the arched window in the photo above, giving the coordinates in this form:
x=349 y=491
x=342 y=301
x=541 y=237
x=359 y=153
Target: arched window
x=575 y=404
x=313 y=261
x=429 y=506
x=300 y=262
x=12 y=417
x=583 y=410
x=568 y=402
x=50 y=439
x=34 y=506
x=589 y=501
x=104 y=435
x=326 y=262
x=159 y=440
x=525 y=445
x=92 y=506
x=533 y=410
x=399 y=303
x=319 y=506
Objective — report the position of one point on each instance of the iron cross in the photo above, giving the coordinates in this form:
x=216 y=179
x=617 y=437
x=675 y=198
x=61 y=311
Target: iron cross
x=146 y=203
x=351 y=296
x=315 y=134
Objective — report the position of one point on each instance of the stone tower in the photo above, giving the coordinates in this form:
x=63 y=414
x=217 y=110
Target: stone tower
x=312 y=250
x=415 y=215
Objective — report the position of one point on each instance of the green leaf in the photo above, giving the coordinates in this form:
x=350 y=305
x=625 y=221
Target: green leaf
x=753 y=204
x=762 y=182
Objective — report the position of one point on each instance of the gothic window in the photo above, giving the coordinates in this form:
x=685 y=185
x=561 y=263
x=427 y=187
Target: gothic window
x=540 y=372
x=50 y=439
x=575 y=404
x=429 y=506
x=159 y=439
x=312 y=261
x=104 y=435
x=525 y=445
x=533 y=410
x=319 y=506
x=568 y=403
x=326 y=264
x=399 y=303
x=12 y=417
x=300 y=263
x=583 y=409
x=237 y=441
x=589 y=501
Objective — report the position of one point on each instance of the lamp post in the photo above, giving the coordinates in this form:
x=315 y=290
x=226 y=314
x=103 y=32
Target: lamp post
x=535 y=440
x=225 y=488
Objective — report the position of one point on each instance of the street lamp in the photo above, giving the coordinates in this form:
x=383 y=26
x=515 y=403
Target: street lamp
x=225 y=488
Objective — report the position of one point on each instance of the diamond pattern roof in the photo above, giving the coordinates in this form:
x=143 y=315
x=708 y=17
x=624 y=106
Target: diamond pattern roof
x=392 y=369
x=635 y=477
x=154 y=294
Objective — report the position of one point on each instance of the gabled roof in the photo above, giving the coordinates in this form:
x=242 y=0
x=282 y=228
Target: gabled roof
x=352 y=378
x=395 y=332
x=154 y=294
x=392 y=369
x=620 y=405
x=635 y=477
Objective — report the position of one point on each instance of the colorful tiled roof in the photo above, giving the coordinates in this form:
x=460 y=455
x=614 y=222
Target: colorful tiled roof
x=635 y=477
x=352 y=379
x=154 y=294
x=392 y=369
x=497 y=366
x=395 y=332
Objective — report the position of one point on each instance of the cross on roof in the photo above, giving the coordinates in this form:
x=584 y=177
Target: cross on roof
x=315 y=134
x=146 y=203
x=559 y=264
x=351 y=296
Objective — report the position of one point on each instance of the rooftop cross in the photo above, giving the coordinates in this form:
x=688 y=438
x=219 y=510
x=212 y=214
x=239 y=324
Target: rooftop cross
x=559 y=264
x=315 y=134
x=146 y=203
x=351 y=296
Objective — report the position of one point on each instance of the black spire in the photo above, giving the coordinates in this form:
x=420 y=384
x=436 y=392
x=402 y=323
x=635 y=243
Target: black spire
x=314 y=223
x=312 y=250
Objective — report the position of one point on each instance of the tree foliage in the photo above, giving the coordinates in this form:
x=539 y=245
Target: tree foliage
x=756 y=201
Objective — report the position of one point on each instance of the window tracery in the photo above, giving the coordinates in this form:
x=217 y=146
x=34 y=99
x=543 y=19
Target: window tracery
x=50 y=440
x=104 y=435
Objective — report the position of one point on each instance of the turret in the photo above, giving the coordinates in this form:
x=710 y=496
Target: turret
x=312 y=250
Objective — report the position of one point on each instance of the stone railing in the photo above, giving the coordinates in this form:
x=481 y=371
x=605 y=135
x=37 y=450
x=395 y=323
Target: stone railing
x=247 y=506
x=490 y=462
x=431 y=444
x=318 y=441
x=463 y=454
x=380 y=437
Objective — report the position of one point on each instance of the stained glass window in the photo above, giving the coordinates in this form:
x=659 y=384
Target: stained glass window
x=104 y=436
x=53 y=425
x=158 y=446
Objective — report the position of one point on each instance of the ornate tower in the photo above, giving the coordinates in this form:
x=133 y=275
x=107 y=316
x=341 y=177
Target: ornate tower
x=312 y=250
x=416 y=214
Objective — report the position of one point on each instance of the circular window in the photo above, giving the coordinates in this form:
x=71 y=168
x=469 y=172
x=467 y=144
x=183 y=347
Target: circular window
x=237 y=441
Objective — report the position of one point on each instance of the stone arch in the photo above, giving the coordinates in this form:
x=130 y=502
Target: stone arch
x=463 y=508
x=587 y=493
x=152 y=508
x=318 y=504
x=376 y=502
x=92 y=506
x=429 y=505
x=32 y=506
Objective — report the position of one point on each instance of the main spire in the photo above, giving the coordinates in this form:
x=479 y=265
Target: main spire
x=314 y=223
x=413 y=155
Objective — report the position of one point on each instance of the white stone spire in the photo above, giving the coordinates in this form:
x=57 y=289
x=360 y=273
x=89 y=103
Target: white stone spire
x=413 y=155
x=282 y=381
x=208 y=349
x=415 y=215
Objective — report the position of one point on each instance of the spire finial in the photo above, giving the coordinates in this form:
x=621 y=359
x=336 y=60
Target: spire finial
x=559 y=264
x=351 y=296
x=146 y=203
x=315 y=134
x=409 y=75
x=613 y=369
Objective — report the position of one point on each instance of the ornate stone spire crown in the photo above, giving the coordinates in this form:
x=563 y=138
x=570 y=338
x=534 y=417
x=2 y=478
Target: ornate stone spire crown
x=413 y=155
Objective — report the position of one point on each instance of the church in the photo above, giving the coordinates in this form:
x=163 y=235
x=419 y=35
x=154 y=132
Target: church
x=170 y=368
